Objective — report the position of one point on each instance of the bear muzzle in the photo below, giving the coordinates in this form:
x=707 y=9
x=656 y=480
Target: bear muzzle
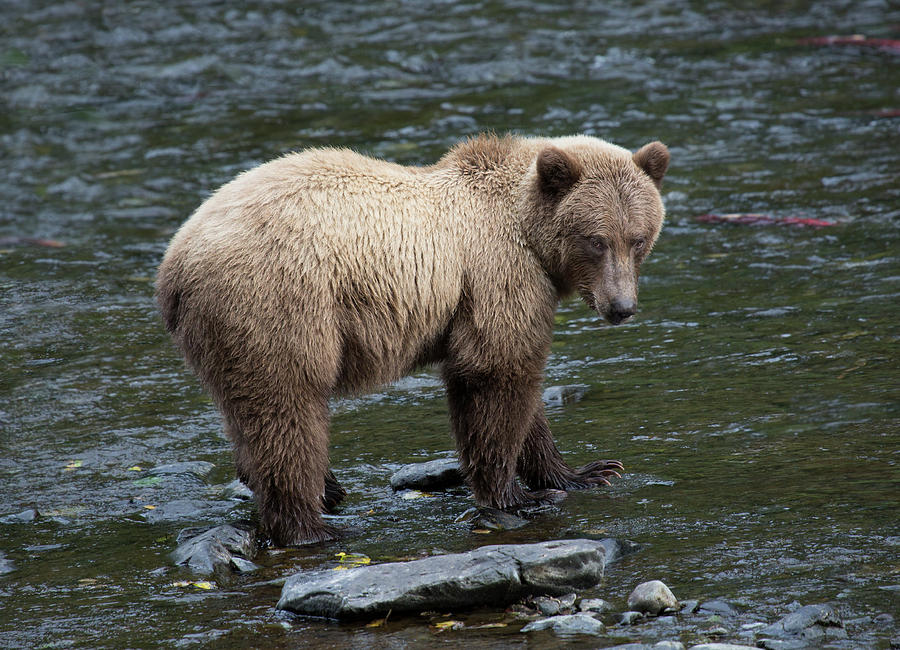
x=620 y=310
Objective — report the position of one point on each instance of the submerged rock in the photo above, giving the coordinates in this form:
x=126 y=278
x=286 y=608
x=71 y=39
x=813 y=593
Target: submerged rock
x=721 y=646
x=492 y=519
x=652 y=597
x=200 y=468
x=568 y=625
x=808 y=625
x=220 y=548
x=717 y=607
x=559 y=395
x=491 y=575
x=237 y=490
x=6 y=565
x=433 y=475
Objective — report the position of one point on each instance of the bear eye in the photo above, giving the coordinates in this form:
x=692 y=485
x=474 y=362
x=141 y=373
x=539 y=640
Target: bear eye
x=639 y=244
x=598 y=243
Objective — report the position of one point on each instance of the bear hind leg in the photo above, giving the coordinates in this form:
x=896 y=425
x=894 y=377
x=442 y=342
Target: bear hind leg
x=283 y=459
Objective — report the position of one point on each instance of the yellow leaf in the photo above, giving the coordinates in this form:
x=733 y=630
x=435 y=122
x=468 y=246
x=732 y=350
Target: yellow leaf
x=352 y=559
x=449 y=625
x=203 y=585
x=73 y=465
x=136 y=468
x=415 y=494
x=150 y=507
x=481 y=531
x=377 y=623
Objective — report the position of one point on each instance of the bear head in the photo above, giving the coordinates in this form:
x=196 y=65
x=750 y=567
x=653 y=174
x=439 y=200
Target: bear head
x=596 y=213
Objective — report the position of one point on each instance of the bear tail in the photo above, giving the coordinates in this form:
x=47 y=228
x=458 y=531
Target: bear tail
x=168 y=299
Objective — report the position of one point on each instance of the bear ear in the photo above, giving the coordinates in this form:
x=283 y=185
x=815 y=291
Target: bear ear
x=653 y=158
x=557 y=171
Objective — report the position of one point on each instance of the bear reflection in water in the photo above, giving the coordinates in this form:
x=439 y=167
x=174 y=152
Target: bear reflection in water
x=326 y=272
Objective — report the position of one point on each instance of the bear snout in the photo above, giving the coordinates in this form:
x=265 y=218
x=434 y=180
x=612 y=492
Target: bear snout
x=620 y=310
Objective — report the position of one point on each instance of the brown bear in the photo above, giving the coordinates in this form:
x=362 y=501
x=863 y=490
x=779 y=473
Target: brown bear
x=327 y=272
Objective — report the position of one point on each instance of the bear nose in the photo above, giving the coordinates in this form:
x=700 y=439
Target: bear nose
x=620 y=309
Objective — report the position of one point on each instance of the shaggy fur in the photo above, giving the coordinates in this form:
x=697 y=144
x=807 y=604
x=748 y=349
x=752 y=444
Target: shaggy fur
x=327 y=272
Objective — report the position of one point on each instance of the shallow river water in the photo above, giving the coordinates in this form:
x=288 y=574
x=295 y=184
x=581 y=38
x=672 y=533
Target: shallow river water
x=754 y=399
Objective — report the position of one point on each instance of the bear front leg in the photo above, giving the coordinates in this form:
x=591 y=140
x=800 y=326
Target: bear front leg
x=542 y=467
x=490 y=416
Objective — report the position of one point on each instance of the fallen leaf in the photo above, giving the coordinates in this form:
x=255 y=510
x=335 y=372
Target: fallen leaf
x=448 y=625
x=191 y=583
x=415 y=494
x=481 y=531
x=135 y=468
x=150 y=507
x=73 y=465
x=350 y=560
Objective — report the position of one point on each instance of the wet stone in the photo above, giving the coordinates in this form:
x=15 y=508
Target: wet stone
x=491 y=575
x=811 y=623
x=492 y=519
x=221 y=548
x=630 y=618
x=567 y=601
x=24 y=517
x=433 y=475
x=547 y=606
x=653 y=598
x=689 y=606
x=237 y=490
x=594 y=605
x=568 y=625
x=721 y=646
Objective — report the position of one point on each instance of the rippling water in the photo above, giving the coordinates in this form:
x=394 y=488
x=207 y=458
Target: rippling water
x=754 y=400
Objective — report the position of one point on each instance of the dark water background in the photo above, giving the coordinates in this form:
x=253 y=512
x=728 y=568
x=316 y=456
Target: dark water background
x=754 y=400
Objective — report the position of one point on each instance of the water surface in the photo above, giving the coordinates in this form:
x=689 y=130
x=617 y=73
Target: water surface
x=754 y=400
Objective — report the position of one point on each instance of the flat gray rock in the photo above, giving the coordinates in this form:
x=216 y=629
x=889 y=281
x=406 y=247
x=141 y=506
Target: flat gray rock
x=491 y=575
x=220 y=548
x=568 y=625
x=433 y=475
x=809 y=623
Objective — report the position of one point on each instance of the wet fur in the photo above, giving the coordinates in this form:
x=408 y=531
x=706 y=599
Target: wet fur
x=326 y=272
